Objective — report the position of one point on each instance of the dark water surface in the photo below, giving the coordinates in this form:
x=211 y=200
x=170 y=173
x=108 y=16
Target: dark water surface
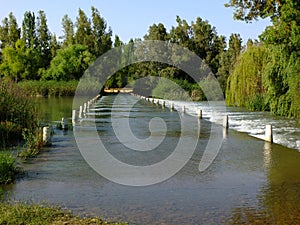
x=250 y=181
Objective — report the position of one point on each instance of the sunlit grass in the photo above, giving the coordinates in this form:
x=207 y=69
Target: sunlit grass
x=22 y=213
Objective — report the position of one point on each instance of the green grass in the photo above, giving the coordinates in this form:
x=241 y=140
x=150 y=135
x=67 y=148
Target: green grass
x=22 y=213
x=8 y=168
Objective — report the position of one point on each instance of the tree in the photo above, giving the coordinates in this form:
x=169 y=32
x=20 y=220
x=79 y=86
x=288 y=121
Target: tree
x=157 y=32
x=181 y=34
x=15 y=62
x=102 y=38
x=14 y=30
x=206 y=43
x=245 y=85
x=68 y=30
x=69 y=63
x=249 y=10
x=281 y=76
x=118 y=41
x=43 y=40
x=4 y=33
x=84 y=35
x=29 y=30
x=9 y=31
x=228 y=59
x=54 y=45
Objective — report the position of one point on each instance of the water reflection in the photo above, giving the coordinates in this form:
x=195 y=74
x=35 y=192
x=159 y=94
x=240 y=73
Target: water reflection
x=278 y=201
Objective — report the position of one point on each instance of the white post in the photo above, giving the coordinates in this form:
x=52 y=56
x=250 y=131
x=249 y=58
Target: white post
x=84 y=108
x=47 y=136
x=225 y=122
x=269 y=133
x=80 y=112
x=64 y=123
x=183 y=109
x=74 y=116
x=199 y=114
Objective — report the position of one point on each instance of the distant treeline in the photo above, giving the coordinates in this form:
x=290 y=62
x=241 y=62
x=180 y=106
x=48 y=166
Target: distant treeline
x=261 y=75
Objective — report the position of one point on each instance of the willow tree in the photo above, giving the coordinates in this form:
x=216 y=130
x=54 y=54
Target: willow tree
x=282 y=38
x=245 y=84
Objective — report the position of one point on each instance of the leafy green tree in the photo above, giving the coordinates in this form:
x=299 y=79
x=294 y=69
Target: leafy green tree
x=54 y=45
x=70 y=63
x=84 y=35
x=157 y=32
x=102 y=37
x=9 y=31
x=249 y=10
x=15 y=62
x=281 y=75
x=206 y=43
x=4 y=33
x=181 y=34
x=118 y=41
x=245 y=85
x=29 y=30
x=68 y=30
x=43 y=40
x=228 y=59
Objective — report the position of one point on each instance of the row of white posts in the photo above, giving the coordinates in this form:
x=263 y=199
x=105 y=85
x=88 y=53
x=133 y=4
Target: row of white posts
x=64 y=123
x=268 y=132
x=83 y=109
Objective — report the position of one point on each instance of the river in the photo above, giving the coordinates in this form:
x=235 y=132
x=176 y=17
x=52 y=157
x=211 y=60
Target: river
x=249 y=181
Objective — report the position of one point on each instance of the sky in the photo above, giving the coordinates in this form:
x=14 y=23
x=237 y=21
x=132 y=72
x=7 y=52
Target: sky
x=132 y=18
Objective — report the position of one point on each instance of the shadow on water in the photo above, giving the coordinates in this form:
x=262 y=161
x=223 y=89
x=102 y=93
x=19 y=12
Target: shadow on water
x=250 y=182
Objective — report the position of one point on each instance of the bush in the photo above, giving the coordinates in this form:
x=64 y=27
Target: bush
x=8 y=168
x=17 y=112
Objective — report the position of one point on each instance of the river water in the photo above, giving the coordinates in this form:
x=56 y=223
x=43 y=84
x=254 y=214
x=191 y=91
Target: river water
x=250 y=181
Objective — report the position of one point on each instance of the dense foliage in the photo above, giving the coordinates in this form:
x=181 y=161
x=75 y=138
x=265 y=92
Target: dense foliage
x=17 y=114
x=262 y=75
x=33 y=53
x=267 y=75
x=8 y=168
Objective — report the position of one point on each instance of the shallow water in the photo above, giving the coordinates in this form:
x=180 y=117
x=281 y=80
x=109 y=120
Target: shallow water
x=250 y=181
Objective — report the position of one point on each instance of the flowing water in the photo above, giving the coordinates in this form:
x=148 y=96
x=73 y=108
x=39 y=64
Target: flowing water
x=250 y=181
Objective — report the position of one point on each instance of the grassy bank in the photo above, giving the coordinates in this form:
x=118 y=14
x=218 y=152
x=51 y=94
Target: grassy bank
x=8 y=168
x=49 y=88
x=21 y=213
x=19 y=125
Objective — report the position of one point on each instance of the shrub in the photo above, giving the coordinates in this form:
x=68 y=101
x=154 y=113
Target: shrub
x=17 y=112
x=8 y=168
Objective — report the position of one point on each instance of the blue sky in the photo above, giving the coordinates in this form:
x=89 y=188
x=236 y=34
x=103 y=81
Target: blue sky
x=132 y=18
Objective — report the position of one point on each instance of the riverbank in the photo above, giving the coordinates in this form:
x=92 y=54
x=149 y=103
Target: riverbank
x=49 y=88
x=22 y=213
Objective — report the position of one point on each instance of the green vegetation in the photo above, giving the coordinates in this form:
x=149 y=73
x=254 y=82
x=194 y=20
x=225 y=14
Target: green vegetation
x=267 y=75
x=18 y=124
x=49 y=88
x=17 y=113
x=33 y=53
x=262 y=75
x=244 y=88
x=8 y=168
x=22 y=213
